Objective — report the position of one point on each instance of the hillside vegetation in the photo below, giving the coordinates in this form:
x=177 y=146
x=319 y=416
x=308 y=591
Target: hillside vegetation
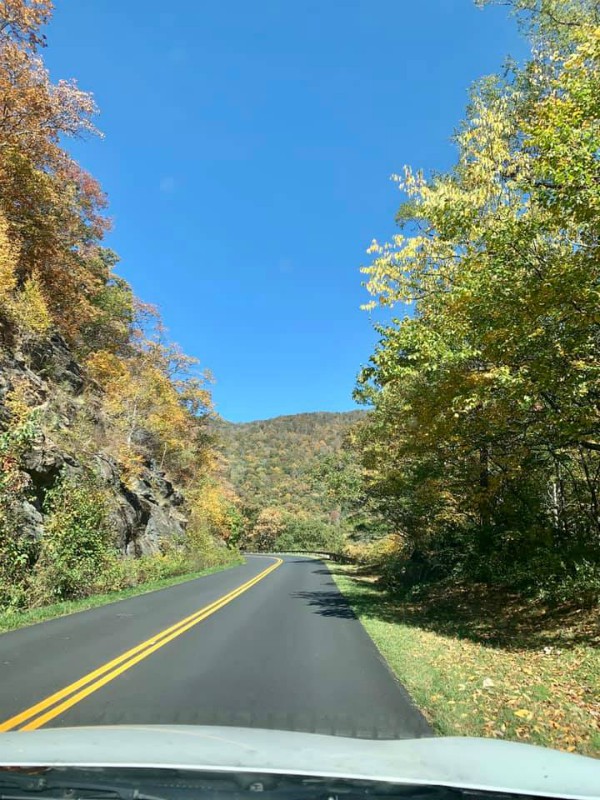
x=278 y=468
x=271 y=462
x=108 y=475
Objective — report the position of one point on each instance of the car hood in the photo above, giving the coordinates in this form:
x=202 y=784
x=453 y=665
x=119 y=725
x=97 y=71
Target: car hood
x=485 y=764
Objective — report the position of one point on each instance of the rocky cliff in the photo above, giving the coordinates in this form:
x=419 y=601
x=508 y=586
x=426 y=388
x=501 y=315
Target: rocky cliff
x=145 y=514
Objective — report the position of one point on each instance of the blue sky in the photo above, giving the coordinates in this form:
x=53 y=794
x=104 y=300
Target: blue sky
x=247 y=154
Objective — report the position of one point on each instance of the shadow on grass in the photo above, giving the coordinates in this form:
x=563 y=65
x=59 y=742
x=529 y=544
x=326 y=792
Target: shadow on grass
x=493 y=616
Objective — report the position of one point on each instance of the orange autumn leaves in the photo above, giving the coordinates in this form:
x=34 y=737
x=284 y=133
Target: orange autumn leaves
x=56 y=276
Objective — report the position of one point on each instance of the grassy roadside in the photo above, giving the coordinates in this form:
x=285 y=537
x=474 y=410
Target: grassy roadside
x=478 y=673
x=10 y=620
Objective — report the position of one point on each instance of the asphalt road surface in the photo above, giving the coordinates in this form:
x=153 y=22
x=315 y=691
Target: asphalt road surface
x=269 y=644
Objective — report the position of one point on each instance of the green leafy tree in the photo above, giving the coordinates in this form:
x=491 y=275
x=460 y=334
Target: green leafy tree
x=306 y=533
x=486 y=397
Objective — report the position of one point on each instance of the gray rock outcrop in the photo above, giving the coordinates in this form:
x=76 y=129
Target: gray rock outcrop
x=144 y=516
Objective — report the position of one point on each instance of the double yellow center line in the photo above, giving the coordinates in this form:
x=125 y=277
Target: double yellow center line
x=37 y=715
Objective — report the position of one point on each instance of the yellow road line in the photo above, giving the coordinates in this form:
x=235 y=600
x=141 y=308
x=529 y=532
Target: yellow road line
x=107 y=672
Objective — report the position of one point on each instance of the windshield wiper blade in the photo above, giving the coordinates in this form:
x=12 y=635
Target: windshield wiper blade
x=24 y=787
x=67 y=784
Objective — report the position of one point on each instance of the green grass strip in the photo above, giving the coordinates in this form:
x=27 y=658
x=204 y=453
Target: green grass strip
x=11 y=620
x=545 y=695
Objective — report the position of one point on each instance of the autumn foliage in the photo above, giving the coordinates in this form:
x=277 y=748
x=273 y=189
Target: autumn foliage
x=146 y=402
x=483 y=447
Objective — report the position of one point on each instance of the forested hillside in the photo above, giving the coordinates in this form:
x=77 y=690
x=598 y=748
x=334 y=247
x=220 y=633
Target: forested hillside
x=286 y=472
x=108 y=475
x=271 y=462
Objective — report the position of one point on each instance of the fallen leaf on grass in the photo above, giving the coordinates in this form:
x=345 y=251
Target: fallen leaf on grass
x=523 y=713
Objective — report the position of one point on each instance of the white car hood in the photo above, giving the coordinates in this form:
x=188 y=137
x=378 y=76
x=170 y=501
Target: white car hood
x=485 y=764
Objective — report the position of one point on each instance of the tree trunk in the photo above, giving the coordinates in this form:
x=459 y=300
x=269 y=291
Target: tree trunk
x=484 y=500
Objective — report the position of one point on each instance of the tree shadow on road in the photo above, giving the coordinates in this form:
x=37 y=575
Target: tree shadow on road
x=327 y=603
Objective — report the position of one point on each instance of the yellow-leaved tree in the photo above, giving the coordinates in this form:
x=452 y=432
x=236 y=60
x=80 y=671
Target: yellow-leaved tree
x=483 y=448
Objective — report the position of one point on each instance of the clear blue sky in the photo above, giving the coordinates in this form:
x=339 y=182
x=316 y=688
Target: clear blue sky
x=247 y=159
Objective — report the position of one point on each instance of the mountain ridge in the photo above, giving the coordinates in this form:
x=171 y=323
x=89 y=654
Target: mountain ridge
x=222 y=419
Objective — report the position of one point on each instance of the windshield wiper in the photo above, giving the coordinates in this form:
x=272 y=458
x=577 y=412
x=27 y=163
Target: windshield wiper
x=22 y=786
x=173 y=784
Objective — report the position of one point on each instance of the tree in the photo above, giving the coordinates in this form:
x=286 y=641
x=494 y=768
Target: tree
x=486 y=396
x=268 y=527
x=52 y=206
x=340 y=476
x=156 y=401
x=310 y=533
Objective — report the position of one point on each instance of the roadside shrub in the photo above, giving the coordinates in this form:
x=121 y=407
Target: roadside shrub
x=582 y=583
x=524 y=561
x=379 y=552
x=76 y=548
x=117 y=573
x=150 y=569
x=125 y=573
x=201 y=549
x=18 y=552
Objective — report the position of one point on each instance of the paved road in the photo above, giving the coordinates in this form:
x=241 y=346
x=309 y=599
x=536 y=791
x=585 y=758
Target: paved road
x=286 y=653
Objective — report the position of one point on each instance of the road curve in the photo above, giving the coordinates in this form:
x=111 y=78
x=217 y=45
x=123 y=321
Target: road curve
x=262 y=645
